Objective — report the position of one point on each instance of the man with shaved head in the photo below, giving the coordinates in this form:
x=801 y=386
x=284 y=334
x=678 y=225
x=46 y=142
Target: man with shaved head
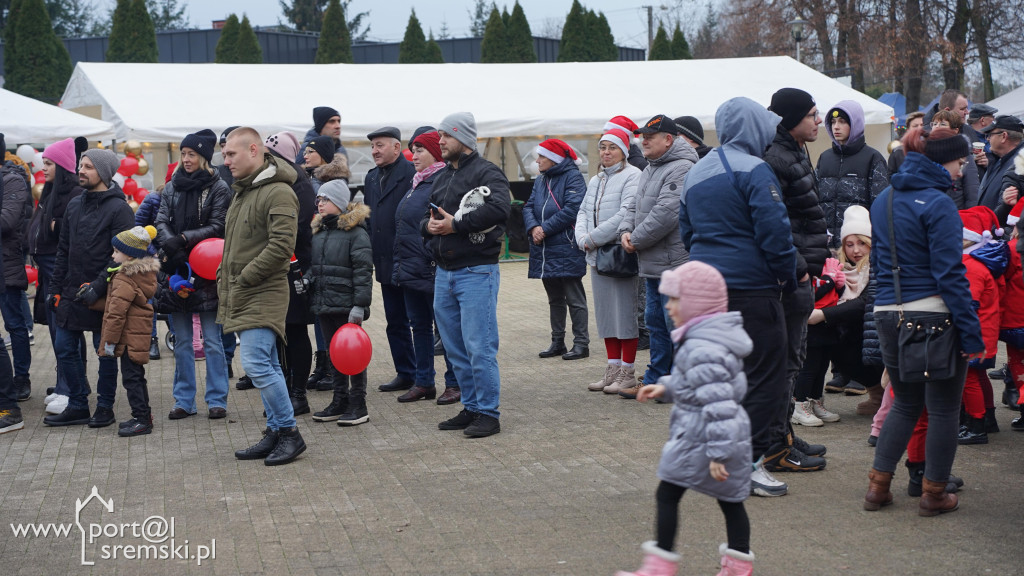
x=252 y=282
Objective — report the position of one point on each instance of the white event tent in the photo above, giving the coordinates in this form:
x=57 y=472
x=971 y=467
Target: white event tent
x=24 y=120
x=524 y=102
x=1011 y=103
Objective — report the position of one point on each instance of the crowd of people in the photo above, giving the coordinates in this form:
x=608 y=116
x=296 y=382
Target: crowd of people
x=755 y=270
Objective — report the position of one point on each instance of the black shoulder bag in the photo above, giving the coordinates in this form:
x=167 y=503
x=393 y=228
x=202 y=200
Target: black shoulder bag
x=926 y=341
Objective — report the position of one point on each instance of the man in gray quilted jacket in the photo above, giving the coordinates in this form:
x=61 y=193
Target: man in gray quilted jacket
x=651 y=230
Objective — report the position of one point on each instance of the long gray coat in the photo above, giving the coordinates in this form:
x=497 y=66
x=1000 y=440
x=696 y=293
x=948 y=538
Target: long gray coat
x=652 y=217
x=708 y=423
x=609 y=194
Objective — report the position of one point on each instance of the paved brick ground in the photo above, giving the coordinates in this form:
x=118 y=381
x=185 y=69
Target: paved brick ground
x=566 y=488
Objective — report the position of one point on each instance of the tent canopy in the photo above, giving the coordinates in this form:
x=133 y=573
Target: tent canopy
x=29 y=121
x=164 y=102
x=1011 y=103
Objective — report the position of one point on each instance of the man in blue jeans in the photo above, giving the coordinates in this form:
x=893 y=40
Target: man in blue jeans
x=252 y=282
x=79 y=281
x=465 y=239
x=650 y=228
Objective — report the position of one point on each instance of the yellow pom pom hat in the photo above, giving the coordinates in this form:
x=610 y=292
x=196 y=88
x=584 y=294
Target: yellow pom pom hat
x=135 y=241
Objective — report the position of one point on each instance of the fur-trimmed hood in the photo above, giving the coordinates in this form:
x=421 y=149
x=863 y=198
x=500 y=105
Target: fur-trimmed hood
x=334 y=170
x=355 y=215
x=140 y=266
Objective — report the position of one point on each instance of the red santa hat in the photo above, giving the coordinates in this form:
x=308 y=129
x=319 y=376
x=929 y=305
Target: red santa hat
x=976 y=229
x=621 y=139
x=989 y=221
x=555 y=150
x=1014 y=216
x=622 y=123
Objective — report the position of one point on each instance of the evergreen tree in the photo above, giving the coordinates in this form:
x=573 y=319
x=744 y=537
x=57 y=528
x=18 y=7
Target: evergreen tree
x=143 y=35
x=40 y=71
x=478 y=18
x=519 y=37
x=413 y=49
x=680 y=48
x=227 y=45
x=505 y=16
x=119 y=42
x=434 y=55
x=248 y=47
x=167 y=14
x=305 y=15
x=573 y=46
x=603 y=48
x=662 y=48
x=494 y=46
x=10 y=37
x=335 y=44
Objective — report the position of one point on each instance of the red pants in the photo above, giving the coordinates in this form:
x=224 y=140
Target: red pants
x=974 y=396
x=1015 y=359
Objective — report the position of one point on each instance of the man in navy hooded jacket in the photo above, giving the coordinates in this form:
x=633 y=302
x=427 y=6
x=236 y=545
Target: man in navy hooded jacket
x=732 y=217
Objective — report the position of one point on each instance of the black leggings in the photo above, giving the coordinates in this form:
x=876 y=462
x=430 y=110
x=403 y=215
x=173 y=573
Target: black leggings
x=299 y=354
x=668 y=495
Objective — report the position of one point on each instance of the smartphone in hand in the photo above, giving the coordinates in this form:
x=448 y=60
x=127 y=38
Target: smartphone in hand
x=436 y=211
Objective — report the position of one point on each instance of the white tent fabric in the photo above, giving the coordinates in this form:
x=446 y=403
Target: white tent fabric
x=1011 y=103
x=24 y=120
x=164 y=102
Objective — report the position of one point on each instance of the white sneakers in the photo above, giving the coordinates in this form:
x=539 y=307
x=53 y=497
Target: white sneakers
x=57 y=404
x=819 y=410
x=803 y=415
x=762 y=483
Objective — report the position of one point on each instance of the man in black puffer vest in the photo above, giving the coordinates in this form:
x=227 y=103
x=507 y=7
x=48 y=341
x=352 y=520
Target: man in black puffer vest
x=788 y=158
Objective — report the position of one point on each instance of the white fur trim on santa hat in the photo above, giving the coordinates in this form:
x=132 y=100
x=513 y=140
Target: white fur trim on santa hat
x=554 y=152
x=1014 y=216
x=619 y=137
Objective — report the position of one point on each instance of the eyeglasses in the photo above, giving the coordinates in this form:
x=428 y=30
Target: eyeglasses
x=994 y=133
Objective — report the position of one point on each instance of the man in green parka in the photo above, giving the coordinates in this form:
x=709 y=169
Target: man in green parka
x=252 y=282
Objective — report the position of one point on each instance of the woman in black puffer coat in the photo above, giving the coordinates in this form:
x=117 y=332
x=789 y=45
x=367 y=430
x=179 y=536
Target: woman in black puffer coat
x=193 y=207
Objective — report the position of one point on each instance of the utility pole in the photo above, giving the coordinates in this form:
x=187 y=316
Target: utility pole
x=650 y=29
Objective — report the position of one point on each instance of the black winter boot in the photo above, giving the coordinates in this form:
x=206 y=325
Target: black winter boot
x=320 y=367
x=974 y=433
x=289 y=445
x=356 y=412
x=154 y=348
x=339 y=403
x=261 y=449
x=557 y=348
x=991 y=424
x=299 y=403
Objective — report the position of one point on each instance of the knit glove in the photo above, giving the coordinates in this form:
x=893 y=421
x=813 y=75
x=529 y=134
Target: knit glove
x=87 y=295
x=52 y=301
x=300 y=285
x=834 y=270
x=356 y=315
x=173 y=245
x=108 y=349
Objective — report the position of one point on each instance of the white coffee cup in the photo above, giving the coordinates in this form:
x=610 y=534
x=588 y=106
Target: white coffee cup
x=978 y=146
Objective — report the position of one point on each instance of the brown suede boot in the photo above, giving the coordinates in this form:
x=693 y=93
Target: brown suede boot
x=873 y=403
x=936 y=500
x=878 y=490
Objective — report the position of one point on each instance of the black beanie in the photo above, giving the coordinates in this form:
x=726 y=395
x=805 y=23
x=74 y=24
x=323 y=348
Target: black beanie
x=202 y=142
x=792 y=104
x=946 y=149
x=81 y=145
x=691 y=128
x=321 y=114
x=837 y=113
x=3 y=146
x=324 y=146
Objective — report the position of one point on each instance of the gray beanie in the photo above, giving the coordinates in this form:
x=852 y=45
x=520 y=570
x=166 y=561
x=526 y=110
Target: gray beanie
x=462 y=127
x=337 y=192
x=106 y=163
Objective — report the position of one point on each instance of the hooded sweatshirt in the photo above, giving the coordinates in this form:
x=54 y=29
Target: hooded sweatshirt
x=734 y=218
x=848 y=174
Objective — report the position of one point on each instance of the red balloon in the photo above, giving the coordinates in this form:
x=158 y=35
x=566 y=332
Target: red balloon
x=130 y=187
x=408 y=154
x=32 y=274
x=140 y=195
x=206 y=256
x=351 y=349
x=129 y=166
x=40 y=177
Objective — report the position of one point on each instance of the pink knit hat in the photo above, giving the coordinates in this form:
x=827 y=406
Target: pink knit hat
x=285 y=144
x=699 y=287
x=63 y=154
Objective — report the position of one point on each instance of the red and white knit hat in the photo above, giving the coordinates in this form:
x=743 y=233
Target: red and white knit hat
x=618 y=137
x=555 y=150
x=1014 y=216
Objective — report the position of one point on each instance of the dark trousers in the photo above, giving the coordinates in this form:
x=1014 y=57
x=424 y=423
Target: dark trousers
x=420 y=307
x=71 y=360
x=567 y=294
x=45 y=262
x=330 y=323
x=768 y=390
x=298 y=354
x=230 y=342
x=133 y=377
x=8 y=393
x=398 y=330
x=668 y=495
x=796 y=309
x=18 y=324
x=940 y=397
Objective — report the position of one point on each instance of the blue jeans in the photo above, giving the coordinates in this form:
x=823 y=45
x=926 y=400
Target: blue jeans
x=659 y=326
x=420 y=307
x=45 y=263
x=185 y=362
x=262 y=365
x=72 y=363
x=18 y=325
x=318 y=333
x=466 y=311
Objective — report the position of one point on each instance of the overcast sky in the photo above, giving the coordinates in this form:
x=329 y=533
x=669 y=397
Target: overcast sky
x=388 y=18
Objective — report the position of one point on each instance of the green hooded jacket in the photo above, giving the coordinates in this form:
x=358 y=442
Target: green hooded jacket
x=259 y=239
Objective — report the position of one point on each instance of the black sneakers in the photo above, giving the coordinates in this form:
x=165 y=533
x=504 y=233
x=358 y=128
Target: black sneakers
x=11 y=420
x=69 y=417
x=460 y=421
x=135 y=427
x=261 y=449
x=482 y=426
x=809 y=449
x=289 y=445
x=23 y=388
x=244 y=383
x=780 y=458
x=102 y=418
